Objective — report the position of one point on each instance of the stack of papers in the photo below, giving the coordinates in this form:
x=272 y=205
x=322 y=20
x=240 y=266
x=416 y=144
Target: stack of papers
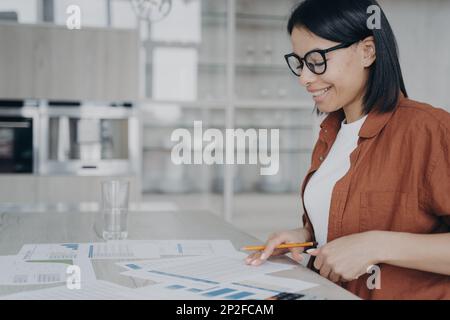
x=179 y=269
x=71 y=251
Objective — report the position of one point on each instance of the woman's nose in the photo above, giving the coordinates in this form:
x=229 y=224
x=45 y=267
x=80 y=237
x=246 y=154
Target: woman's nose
x=306 y=77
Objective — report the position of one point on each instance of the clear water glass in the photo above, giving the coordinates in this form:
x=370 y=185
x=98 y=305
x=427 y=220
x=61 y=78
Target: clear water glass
x=115 y=197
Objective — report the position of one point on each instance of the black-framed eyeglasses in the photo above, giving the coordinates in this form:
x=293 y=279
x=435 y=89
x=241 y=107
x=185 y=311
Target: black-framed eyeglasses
x=315 y=60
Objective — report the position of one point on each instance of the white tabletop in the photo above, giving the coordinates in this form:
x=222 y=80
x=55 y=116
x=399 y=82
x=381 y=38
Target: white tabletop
x=18 y=228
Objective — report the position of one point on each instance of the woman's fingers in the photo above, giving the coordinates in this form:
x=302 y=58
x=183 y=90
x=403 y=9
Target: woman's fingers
x=271 y=247
x=334 y=277
x=291 y=236
x=278 y=252
x=252 y=257
x=297 y=254
x=325 y=270
x=259 y=257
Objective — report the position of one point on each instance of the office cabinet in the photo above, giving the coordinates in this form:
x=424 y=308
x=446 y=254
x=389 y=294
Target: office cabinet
x=55 y=63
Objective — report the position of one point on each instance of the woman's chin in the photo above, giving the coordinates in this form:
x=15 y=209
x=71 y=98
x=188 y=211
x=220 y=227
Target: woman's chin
x=326 y=108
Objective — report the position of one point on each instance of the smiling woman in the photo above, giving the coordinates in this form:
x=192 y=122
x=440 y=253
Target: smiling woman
x=375 y=80
x=377 y=191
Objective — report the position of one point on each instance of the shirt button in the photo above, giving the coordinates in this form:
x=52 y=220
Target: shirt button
x=321 y=158
x=326 y=130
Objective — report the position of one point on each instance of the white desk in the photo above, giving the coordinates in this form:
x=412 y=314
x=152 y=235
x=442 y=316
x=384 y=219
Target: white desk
x=18 y=228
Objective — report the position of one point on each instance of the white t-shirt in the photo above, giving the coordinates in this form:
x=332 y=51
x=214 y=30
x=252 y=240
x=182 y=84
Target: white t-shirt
x=317 y=196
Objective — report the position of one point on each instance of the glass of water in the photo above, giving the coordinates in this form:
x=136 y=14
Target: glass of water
x=115 y=194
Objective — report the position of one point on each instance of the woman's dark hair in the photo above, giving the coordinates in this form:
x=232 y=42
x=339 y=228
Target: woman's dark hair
x=345 y=21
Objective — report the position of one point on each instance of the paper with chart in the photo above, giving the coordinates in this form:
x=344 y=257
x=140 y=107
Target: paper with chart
x=191 y=247
x=120 y=250
x=100 y=250
x=256 y=287
x=213 y=269
x=184 y=289
x=237 y=292
x=189 y=291
x=162 y=279
x=130 y=249
x=44 y=252
x=14 y=271
x=95 y=290
x=178 y=290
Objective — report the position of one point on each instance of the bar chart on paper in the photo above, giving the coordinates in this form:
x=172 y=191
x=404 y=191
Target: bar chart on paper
x=202 y=291
x=122 y=250
x=63 y=251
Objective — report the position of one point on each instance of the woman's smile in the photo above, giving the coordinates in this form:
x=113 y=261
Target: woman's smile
x=320 y=94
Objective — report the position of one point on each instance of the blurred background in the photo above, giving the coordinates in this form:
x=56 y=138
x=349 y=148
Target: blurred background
x=80 y=105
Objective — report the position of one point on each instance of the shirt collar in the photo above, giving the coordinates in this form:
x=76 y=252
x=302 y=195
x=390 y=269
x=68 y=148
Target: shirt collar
x=374 y=123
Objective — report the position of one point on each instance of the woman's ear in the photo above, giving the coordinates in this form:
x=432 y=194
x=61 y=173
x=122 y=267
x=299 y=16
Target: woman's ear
x=369 y=53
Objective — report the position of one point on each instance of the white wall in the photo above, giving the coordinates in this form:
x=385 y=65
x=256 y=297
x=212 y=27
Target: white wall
x=422 y=31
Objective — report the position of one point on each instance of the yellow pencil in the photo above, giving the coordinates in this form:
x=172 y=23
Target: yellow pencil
x=281 y=246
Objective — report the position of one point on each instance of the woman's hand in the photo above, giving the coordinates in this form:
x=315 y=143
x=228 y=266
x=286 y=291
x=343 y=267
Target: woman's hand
x=349 y=257
x=289 y=236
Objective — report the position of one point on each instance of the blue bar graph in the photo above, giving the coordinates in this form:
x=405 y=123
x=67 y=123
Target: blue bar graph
x=175 y=287
x=73 y=246
x=219 y=292
x=239 y=295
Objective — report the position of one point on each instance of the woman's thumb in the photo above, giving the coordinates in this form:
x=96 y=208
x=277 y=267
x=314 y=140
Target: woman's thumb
x=312 y=252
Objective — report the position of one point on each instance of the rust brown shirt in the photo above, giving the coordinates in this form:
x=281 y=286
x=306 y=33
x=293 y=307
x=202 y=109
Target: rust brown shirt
x=399 y=180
